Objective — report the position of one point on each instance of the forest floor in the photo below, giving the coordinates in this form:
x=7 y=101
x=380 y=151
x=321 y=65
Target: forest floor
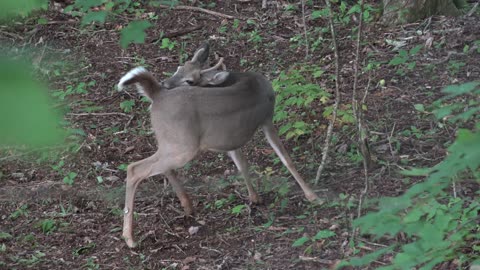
x=47 y=224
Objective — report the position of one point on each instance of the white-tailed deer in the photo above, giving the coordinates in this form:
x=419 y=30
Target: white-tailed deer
x=189 y=119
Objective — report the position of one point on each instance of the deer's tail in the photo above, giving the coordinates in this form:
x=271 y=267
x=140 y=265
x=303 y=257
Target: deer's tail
x=146 y=84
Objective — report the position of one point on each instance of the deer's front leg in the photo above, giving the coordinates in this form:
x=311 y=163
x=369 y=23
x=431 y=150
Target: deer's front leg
x=136 y=172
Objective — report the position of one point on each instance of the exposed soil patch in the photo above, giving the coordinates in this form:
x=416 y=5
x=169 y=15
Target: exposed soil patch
x=55 y=226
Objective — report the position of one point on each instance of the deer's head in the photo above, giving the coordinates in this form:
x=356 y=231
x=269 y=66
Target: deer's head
x=196 y=71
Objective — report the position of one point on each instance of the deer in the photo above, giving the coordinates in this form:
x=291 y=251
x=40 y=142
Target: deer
x=187 y=119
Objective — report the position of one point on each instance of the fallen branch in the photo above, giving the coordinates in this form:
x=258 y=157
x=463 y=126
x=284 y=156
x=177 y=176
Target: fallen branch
x=183 y=31
x=214 y=13
x=470 y=13
x=337 y=95
x=98 y=114
x=315 y=259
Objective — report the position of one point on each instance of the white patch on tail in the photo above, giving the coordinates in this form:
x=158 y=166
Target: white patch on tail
x=131 y=74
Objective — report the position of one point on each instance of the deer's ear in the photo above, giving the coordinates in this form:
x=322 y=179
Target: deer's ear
x=201 y=55
x=219 y=78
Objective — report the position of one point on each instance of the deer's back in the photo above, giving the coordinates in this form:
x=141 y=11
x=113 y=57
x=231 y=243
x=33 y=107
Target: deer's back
x=220 y=118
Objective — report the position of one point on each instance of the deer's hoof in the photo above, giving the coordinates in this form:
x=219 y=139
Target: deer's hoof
x=255 y=199
x=129 y=241
x=312 y=197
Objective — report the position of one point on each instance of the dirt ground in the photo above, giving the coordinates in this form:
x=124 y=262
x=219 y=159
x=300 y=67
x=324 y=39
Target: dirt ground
x=46 y=224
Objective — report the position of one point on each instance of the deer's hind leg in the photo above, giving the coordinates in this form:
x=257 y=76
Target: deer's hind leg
x=242 y=165
x=274 y=140
x=156 y=164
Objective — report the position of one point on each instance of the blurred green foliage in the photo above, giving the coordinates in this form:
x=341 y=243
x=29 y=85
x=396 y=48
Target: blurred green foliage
x=12 y=8
x=26 y=115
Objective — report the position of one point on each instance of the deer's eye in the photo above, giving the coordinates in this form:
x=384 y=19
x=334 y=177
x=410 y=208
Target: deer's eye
x=189 y=82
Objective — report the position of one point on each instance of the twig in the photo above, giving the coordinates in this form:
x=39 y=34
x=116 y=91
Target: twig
x=214 y=13
x=12 y=35
x=358 y=114
x=210 y=249
x=305 y=28
x=315 y=259
x=264 y=4
x=98 y=114
x=337 y=96
x=470 y=13
x=183 y=31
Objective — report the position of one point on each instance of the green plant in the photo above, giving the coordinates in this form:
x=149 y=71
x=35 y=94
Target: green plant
x=322 y=234
x=69 y=178
x=28 y=101
x=403 y=59
x=413 y=131
x=81 y=88
x=134 y=33
x=21 y=211
x=238 y=209
x=84 y=249
x=32 y=260
x=127 y=105
x=344 y=113
x=255 y=37
x=47 y=226
x=476 y=43
x=65 y=211
x=454 y=67
x=5 y=236
x=294 y=94
x=168 y=44
x=437 y=226
x=91 y=264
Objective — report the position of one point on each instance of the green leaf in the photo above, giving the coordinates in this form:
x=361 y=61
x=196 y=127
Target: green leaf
x=69 y=178
x=4 y=235
x=134 y=33
x=127 y=105
x=323 y=234
x=238 y=209
x=99 y=179
x=122 y=167
x=94 y=16
x=354 y=9
x=26 y=109
x=85 y=5
x=419 y=107
x=413 y=216
x=397 y=60
x=319 y=13
x=370 y=257
x=300 y=241
x=42 y=21
x=316 y=74
x=10 y=8
x=415 y=49
x=417 y=172
x=455 y=90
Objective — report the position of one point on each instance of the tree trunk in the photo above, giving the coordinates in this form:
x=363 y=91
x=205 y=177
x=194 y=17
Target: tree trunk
x=405 y=11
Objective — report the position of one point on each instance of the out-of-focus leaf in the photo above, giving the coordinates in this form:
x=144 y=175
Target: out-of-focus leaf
x=10 y=8
x=94 y=16
x=134 y=33
x=25 y=111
